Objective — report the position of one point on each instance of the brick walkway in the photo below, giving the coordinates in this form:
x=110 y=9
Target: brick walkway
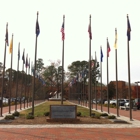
x=70 y=134
x=62 y=132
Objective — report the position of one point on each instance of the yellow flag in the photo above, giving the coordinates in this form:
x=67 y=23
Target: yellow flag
x=115 y=44
x=11 y=46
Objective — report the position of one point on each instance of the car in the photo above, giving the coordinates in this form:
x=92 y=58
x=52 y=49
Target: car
x=137 y=103
x=123 y=101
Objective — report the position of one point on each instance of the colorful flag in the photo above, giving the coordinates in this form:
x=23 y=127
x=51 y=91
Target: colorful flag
x=19 y=52
x=115 y=44
x=37 y=28
x=101 y=55
x=6 y=36
x=92 y=64
x=89 y=30
x=11 y=46
x=26 y=64
x=128 y=29
x=62 y=30
x=23 y=57
x=108 y=48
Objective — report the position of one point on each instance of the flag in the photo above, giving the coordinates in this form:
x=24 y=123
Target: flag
x=37 y=28
x=6 y=36
x=108 y=48
x=128 y=29
x=29 y=63
x=115 y=44
x=89 y=30
x=101 y=55
x=19 y=52
x=92 y=64
x=26 y=64
x=62 y=30
x=23 y=57
x=95 y=60
x=11 y=46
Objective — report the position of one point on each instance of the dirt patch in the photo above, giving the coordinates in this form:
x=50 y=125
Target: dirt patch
x=43 y=120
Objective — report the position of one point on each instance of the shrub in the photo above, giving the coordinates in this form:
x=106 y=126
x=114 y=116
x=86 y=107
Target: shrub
x=29 y=116
x=78 y=113
x=16 y=113
x=104 y=114
x=97 y=116
x=46 y=113
x=9 y=117
x=112 y=117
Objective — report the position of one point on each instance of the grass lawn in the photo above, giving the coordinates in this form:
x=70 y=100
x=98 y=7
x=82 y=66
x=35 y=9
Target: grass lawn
x=45 y=107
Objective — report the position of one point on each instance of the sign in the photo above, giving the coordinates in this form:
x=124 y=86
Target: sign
x=63 y=111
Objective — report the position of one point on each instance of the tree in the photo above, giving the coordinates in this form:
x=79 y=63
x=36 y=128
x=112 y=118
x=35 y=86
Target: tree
x=111 y=90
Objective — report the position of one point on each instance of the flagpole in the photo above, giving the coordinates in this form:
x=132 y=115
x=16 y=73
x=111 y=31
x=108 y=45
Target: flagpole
x=62 y=65
x=107 y=78
x=17 y=78
x=33 y=94
x=95 y=81
x=26 y=79
x=6 y=37
x=22 y=79
x=10 y=74
x=116 y=73
x=128 y=55
x=89 y=82
x=101 y=79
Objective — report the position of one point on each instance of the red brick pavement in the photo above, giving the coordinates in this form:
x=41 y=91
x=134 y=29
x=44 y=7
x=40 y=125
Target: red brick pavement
x=69 y=134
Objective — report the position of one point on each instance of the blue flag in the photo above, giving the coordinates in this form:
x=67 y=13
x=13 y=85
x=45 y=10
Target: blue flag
x=37 y=28
x=23 y=57
x=101 y=55
x=128 y=29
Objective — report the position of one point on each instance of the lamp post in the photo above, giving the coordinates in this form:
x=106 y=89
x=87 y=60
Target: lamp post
x=137 y=87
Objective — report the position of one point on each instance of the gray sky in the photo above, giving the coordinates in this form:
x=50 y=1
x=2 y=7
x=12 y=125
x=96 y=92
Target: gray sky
x=106 y=16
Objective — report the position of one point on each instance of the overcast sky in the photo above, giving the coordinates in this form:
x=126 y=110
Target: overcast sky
x=106 y=15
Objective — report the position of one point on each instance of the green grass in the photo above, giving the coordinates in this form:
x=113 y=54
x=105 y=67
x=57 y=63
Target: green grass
x=45 y=107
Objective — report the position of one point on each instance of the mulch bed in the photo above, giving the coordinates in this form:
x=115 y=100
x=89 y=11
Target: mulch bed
x=43 y=120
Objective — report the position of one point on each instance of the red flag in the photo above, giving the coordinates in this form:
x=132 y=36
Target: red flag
x=62 y=30
x=89 y=30
x=108 y=48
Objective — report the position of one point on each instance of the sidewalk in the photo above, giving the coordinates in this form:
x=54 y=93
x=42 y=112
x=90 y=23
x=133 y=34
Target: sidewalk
x=72 y=131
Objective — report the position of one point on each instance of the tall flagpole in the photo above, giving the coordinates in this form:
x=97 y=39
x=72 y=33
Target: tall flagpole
x=26 y=64
x=129 y=89
x=10 y=78
x=101 y=76
x=17 y=77
x=23 y=58
x=63 y=37
x=107 y=78
x=37 y=33
x=6 y=44
x=95 y=80
x=89 y=82
x=115 y=45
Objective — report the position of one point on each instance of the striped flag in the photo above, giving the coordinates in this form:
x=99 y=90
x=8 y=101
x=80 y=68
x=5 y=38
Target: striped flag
x=62 y=30
x=108 y=48
x=89 y=30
